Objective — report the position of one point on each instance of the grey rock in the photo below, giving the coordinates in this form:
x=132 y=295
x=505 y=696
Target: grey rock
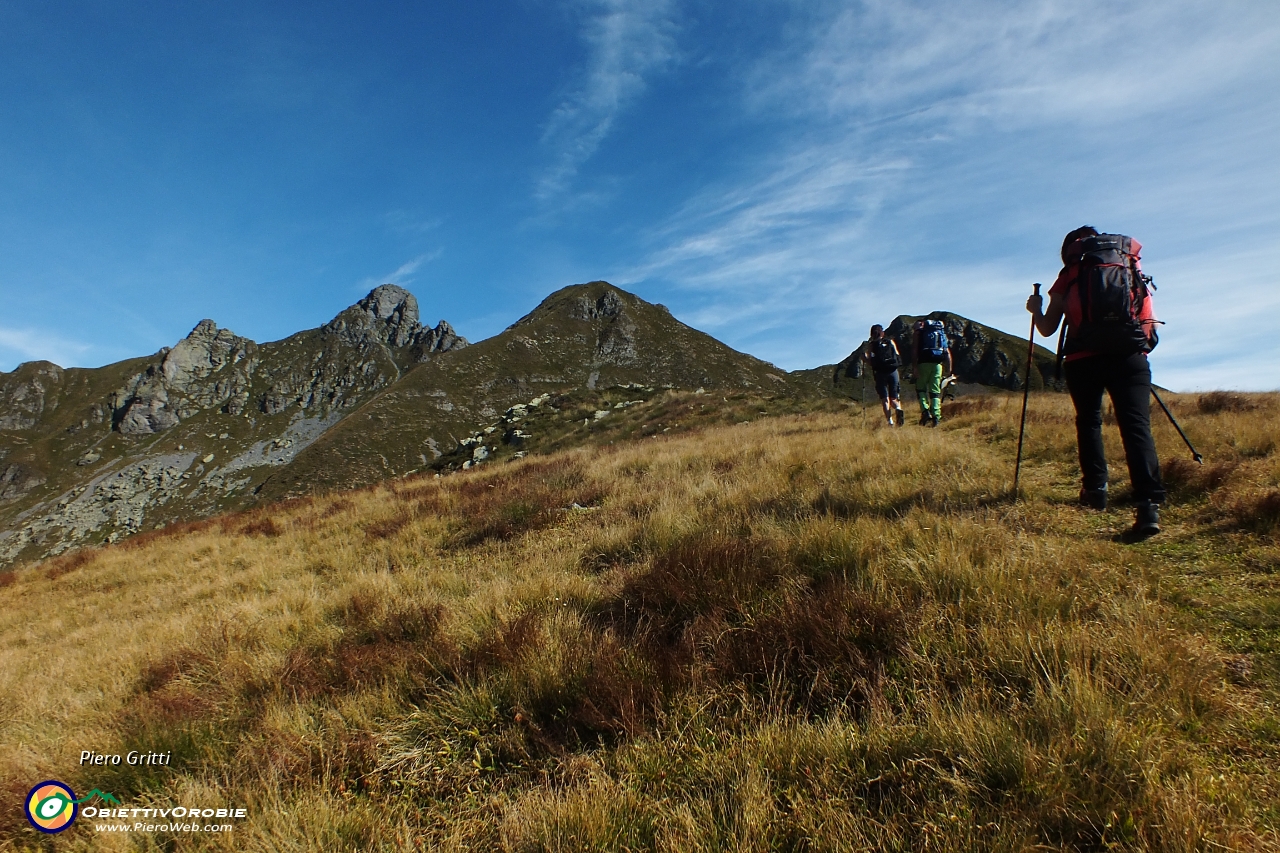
x=428 y=342
x=16 y=480
x=388 y=315
x=147 y=416
x=607 y=305
x=24 y=393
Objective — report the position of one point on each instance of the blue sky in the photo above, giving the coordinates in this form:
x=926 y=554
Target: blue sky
x=780 y=174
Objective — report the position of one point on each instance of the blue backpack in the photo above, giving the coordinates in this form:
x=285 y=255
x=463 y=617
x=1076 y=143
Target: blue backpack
x=933 y=339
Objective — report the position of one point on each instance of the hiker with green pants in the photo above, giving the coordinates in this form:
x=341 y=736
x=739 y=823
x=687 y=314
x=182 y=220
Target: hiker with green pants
x=931 y=358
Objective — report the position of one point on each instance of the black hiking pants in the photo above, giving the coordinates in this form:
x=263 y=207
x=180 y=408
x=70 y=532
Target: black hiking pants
x=1127 y=379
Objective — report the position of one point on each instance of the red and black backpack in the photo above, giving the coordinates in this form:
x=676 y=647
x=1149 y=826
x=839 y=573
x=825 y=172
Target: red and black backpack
x=1112 y=292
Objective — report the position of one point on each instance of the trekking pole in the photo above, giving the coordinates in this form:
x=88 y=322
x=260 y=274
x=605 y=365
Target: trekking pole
x=1026 y=391
x=1194 y=455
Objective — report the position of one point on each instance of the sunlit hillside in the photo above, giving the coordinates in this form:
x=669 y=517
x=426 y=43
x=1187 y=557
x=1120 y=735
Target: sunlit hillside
x=803 y=632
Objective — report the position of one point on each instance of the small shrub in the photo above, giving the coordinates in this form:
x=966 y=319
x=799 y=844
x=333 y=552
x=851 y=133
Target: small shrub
x=970 y=405
x=383 y=637
x=1259 y=512
x=260 y=527
x=388 y=527
x=67 y=563
x=704 y=576
x=8 y=578
x=1224 y=401
x=370 y=617
x=824 y=645
x=337 y=508
x=1187 y=477
x=564 y=684
x=159 y=674
x=513 y=503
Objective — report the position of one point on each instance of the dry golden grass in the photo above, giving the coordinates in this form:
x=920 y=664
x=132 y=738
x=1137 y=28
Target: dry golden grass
x=800 y=633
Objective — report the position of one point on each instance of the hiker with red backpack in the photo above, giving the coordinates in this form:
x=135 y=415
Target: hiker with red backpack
x=881 y=353
x=930 y=352
x=1110 y=329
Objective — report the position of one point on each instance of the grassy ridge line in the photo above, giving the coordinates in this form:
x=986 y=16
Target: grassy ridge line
x=465 y=662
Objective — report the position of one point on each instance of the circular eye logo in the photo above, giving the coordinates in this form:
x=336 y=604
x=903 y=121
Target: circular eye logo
x=51 y=806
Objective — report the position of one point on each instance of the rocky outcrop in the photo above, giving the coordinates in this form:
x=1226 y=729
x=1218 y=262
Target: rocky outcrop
x=17 y=479
x=389 y=316
x=428 y=342
x=147 y=415
x=209 y=368
x=24 y=393
x=91 y=436
x=982 y=355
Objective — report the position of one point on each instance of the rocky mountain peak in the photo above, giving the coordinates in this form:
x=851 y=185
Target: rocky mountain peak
x=203 y=352
x=593 y=301
x=388 y=315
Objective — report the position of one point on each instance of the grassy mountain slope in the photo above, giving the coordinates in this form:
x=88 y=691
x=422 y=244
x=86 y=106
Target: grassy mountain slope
x=220 y=423
x=586 y=336
x=802 y=632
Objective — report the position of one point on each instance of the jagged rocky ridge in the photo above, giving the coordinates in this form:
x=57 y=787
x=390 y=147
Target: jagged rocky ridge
x=88 y=455
x=219 y=422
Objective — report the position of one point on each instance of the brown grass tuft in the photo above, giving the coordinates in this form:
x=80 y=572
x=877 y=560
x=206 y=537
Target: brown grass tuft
x=704 y=576
x=159 y=674
x=265 y=526
x=387 y=527
x=970 y=405
x=337 y=508
x=8 y=578
x=1259 y=512
x=826 y=645
x=1224 y=401
x=515 y=502
x=1185 y=477
x=67 y=563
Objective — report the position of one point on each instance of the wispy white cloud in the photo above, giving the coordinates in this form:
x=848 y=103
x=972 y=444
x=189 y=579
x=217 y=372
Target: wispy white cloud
x=907 y=121
x=1075 y=60
x=19 y=345
x=626 y=40
x=401 y=275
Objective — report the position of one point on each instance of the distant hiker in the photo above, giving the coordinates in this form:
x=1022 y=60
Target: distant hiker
x=1110 y=329
x=881 y=353
x=931 y=358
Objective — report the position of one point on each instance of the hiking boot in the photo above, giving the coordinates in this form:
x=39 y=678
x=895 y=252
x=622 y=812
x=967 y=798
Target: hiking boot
x=900 y=415
x=933 y=421
x=924 y=419
x=1093 y=498
x=1146 y=520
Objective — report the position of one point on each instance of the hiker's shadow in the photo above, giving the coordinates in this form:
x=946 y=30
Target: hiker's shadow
x=1130 y=537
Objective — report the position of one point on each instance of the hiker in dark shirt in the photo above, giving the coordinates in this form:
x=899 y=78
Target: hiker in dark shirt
x=881 y=354
x=1094 y=364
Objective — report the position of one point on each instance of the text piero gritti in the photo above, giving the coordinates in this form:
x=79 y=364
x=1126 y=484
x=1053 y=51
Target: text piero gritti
x=88 y=756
